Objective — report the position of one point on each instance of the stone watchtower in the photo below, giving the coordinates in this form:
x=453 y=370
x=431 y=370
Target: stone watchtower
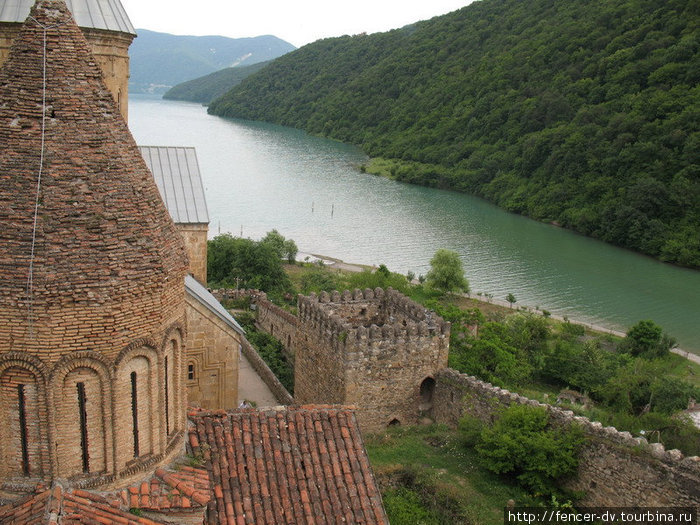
x=92 y=299
x=377 y=350
x=106 y=26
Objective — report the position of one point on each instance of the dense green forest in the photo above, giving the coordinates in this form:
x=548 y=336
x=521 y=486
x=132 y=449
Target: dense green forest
x=207 y=88
x=581 y=112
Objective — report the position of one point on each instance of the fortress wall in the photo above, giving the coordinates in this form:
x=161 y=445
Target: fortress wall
x=377 y=368
x=269 y=317
x=277 y=322
x=615 y=469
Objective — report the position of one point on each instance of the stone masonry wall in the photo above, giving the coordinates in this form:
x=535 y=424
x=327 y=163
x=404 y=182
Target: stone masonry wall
x=269 y=317
x=277 y=322
x=267 y=375
x=212 y=352
x=377 y=368
x=615 y=469
x=195 y=237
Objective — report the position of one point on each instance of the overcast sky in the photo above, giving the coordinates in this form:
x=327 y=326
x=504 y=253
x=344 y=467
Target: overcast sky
x=296 y=21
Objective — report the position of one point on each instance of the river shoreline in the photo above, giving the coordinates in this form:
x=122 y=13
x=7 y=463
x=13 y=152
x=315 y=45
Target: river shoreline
x=334 y=262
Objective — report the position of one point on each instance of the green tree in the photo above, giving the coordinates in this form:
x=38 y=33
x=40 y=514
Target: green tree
x=523 y=444
x=290 y=250
x=511 y=299
x=446 y=272
x=275 y=240
x=244 y=263
x=647 y=339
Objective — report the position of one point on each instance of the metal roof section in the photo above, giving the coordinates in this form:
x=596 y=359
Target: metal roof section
x=202 y=296
x=91 y=14
x=176 y=172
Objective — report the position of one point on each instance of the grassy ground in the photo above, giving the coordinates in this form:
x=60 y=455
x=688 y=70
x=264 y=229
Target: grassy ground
x=427 y=476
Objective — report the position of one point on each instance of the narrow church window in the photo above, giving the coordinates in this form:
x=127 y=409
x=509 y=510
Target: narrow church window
x=135 y=414
x=190 y=371
x=23 y=429
x=82 y=408
x=167 y=400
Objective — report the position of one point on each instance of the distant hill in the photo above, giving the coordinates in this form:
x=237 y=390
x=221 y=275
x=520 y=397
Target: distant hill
x=159 y=61
x=207 y=88
x=581 y=112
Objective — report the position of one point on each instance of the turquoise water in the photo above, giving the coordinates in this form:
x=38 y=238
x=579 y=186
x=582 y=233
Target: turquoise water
x=260 y=176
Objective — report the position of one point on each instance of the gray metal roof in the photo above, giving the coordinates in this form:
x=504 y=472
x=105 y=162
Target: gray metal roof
x=94 y=14
x=202 y=295
x=177 y=176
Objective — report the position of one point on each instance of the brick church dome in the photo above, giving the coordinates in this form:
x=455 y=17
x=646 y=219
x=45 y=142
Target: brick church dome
x=89 y=257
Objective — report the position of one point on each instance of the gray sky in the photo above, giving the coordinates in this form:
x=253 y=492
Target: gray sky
x=296 y=21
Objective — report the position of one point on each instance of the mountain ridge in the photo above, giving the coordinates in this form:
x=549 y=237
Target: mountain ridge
x=214 y=85
x=580 y=113
x=159 y=61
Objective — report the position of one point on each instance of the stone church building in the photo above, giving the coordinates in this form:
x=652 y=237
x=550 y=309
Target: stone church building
x=99 y=334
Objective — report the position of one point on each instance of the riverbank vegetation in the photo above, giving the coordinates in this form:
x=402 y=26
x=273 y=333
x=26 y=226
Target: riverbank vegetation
x=632 y=383
x=578 y=113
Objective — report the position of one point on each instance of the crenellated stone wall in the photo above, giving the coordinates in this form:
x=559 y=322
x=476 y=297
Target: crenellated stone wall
x=615 y=468
x=277 y=322
x=372 y=349
x=269 y=317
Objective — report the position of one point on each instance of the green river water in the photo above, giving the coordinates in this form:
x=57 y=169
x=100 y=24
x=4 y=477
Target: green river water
x=260 y=176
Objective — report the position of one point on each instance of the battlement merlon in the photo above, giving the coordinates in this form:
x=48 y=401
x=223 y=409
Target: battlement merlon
x=371 y=315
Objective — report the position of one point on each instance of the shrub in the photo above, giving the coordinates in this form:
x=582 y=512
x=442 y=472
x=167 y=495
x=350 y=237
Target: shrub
x=522 y=444
x=647 y=339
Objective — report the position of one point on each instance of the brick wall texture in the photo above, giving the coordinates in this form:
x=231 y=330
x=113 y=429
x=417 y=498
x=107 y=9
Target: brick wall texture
x=111 y=52
x=92 y=272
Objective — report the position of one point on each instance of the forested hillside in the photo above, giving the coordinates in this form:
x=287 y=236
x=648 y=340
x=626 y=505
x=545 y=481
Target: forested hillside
x=207 y=88
x=583 y=112
x=161 y=60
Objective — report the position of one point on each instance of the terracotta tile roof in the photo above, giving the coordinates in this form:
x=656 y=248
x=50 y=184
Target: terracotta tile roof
x=29 y=510
x=292 y=465
x=166 y=491
x=59 y=507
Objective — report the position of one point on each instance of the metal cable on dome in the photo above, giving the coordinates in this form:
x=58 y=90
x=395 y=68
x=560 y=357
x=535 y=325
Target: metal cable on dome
x=30 y=277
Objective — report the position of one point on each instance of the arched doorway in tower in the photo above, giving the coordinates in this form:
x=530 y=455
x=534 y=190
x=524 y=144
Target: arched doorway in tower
x=427 y=390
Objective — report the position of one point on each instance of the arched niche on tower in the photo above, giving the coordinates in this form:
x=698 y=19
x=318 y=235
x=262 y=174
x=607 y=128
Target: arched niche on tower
x=138 y=411
x=23 y=411
x=173 y=381
x=81 y=397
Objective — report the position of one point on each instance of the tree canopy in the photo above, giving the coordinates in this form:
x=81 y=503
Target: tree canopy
x=583 y=113
x=446 y=272
x=244 y=263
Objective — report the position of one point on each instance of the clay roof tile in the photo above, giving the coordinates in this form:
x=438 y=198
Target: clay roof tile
x=290 y=465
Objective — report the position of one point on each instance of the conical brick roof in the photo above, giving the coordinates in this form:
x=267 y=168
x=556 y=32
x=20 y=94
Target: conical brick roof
x=108 y=264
